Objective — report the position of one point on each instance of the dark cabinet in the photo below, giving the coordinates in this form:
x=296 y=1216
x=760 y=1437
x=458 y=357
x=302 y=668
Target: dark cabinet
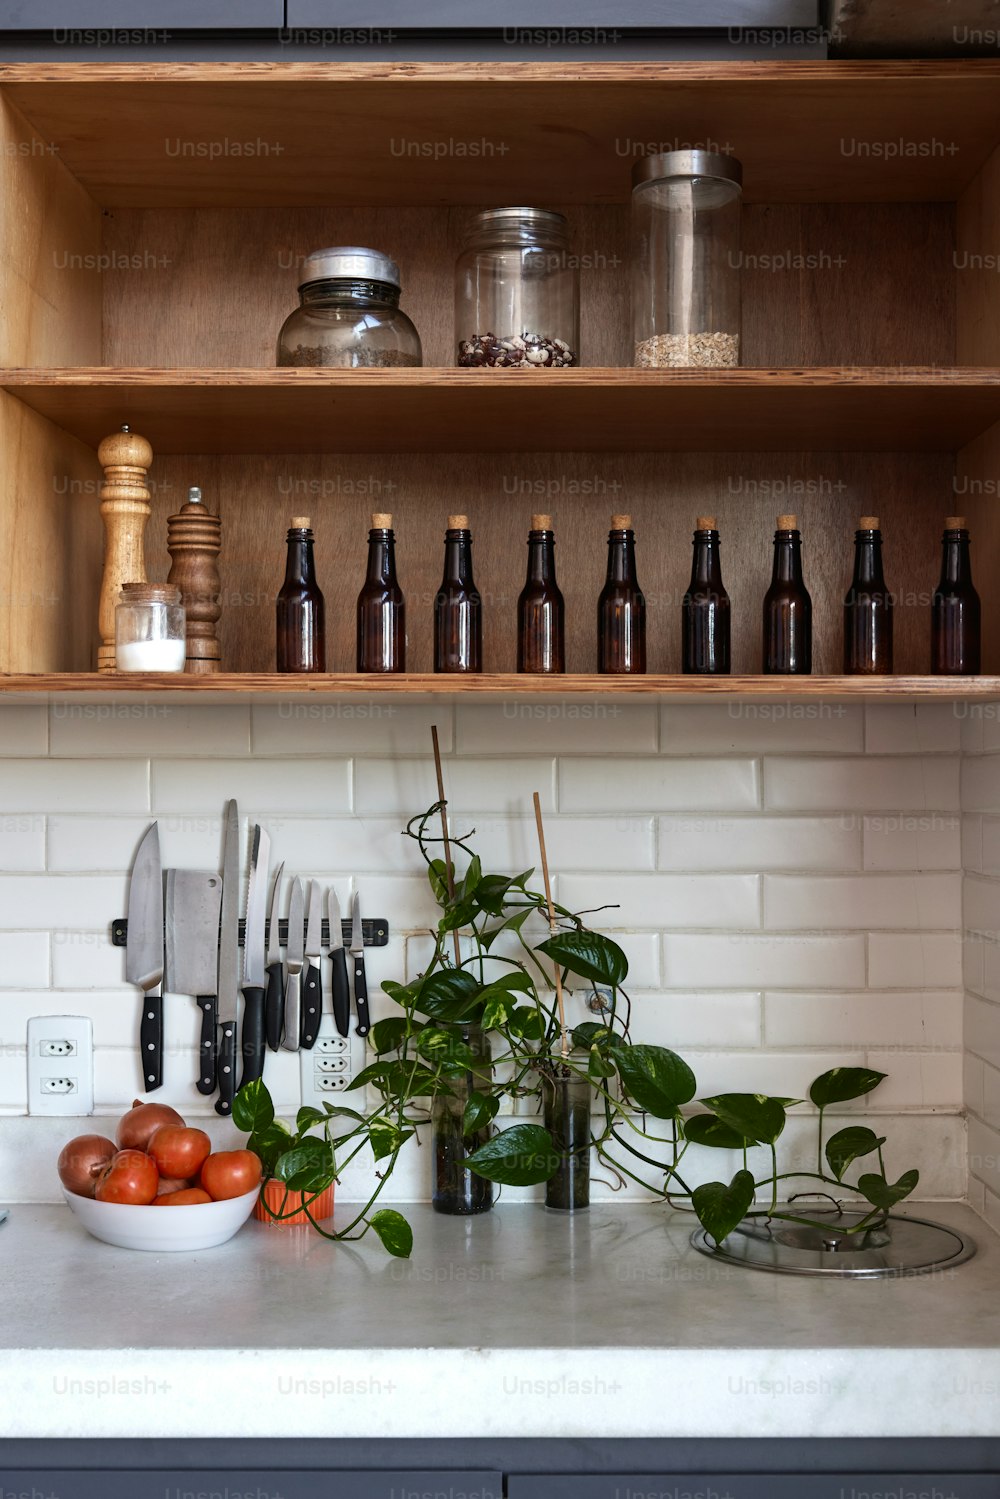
x=78 y=17
x=467 y=15
x=666 y=1485
x=328 y=1483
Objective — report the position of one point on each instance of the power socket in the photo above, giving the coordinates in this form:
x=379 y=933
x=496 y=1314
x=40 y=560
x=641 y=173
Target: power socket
x=60 y=1064
x=329 y=1066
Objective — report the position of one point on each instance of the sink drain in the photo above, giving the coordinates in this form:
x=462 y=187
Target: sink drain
x=900 y=1246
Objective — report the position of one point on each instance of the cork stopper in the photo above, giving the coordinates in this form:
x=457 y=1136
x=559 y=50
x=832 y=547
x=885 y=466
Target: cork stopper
x=150 y=593
x=458 y=523
x=705 y=523
x=955 y=523
x=868 y=523
x=788 y=523
x=381 y=521
x=301 y=522
x=541 y=523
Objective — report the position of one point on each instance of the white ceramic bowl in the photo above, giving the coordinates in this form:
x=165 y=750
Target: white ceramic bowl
x=200 y=1225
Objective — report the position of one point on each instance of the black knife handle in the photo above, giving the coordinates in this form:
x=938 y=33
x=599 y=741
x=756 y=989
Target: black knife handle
x=361 y=995
x=312 y=1006
x=151 y=1041
x=253 y=1034
x=226 y=1067
x=208 y=1006
x=274 y=1005
x=341 y=991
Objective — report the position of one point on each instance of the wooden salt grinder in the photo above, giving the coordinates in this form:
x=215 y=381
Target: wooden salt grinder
x=125 y=458
x=194 y=540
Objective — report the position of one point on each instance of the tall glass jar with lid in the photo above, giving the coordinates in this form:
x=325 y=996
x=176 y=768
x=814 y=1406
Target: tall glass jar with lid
x=349 y=314
x=517 y=292
x=686 y=209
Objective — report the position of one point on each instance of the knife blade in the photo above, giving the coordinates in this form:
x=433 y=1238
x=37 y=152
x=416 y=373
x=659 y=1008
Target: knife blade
x=360 y=976
x=253 y=959
x=194 y=900
x=144 y=952
x=312 y=984
x=229 y=962
x=338 y=957
x=294 y=956
x=274 y=1005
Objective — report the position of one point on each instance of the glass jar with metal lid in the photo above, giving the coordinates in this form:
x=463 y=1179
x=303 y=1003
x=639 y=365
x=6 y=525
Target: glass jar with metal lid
x=517 y=292
x=349 y=314
x=686 y=209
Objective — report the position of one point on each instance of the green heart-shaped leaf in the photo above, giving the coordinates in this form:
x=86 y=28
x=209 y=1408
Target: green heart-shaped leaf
x=394 y=1231
x=885 y=1195
x=708 y=1129
x=721 y=1208
x=657 y=1080
x=752 y=1114
x=843 y=1083
x=481 y=1110
x=849 y=1145
x=517 y=1157
x=253 y=1110
x=590 y=954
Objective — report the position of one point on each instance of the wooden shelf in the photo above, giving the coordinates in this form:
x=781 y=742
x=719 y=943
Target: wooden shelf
x=332 y=133
x=509 y=684
x=587 y=410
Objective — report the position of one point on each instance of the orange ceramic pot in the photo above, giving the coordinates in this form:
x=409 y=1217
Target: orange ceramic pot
x=289 y=1204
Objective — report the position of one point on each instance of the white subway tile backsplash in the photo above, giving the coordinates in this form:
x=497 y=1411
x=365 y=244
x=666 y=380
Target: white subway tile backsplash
x=317 y=787
x=23 y=729
x=912 y=728
x=405 y=788
x=972 y=1083
x=24 y=964
x=905 y=1020
x=14 y=1079
x=988 y=846
x=47 y=786
x=87 y=960
x=866 y=784
x=680 y=1021
x=982 y=1029
x=335 y=729
x=666 y=901
x=981 y=784
x=721 y=961
x=658 y=785
x=981 y=902
x=779 y=1074
x=756 y=727
x=984 y=1154
x=990 y=1108
x=110 y=843
x=56 y=902
x=917 y=1079
x=144 y=727
x=577 y=725
x=972 y=846
x=22 y=842
x=904 y=960
x=701 y=841
x=918 y=841
x=827 y=902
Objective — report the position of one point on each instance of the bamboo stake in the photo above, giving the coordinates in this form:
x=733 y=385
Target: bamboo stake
x=449 y=873
x=552 y=921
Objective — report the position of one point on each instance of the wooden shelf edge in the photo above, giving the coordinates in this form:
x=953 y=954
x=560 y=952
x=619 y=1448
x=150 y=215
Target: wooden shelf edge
x=508 y=684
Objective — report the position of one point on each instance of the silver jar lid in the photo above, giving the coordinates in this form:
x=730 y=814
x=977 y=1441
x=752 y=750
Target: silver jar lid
x=688 y=164
x=488 y=218
x=349 y=263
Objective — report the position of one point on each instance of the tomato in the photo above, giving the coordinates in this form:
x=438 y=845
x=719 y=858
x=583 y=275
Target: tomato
x=136 y=1127
x=178 y=1150
x=187 y=1198
x=230 y=1173
x=131 y=1176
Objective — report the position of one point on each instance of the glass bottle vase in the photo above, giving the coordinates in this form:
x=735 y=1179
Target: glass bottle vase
x=567 y=1097
x=457 y=1190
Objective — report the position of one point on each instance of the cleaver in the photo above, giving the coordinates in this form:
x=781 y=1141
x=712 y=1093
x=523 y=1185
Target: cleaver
x=194 y=903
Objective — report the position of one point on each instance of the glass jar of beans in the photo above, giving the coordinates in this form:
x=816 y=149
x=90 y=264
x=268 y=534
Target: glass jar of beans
x=517 y=292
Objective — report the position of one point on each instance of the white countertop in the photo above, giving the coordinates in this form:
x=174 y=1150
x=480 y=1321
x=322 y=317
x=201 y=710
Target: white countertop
x=518 y=1323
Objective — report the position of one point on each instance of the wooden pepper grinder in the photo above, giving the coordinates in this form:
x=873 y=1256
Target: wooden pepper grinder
x=194 y=540
x=125 y=458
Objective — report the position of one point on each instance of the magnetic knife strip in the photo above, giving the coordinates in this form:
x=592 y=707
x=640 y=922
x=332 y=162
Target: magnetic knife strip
x=376 y=931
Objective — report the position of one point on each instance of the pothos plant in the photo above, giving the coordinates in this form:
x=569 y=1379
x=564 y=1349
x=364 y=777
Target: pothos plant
x=641 y=1133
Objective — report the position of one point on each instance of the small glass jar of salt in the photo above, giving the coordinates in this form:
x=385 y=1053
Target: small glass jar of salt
x=150 y=628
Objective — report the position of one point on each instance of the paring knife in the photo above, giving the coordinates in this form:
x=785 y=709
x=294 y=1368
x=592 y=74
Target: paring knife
x=274 y=1005
x=338 y=957
x=312 y=984
x=229 y=963
x=294 y=955
x=144 y=952
x=194 y=899
x=253 y=959
x=360 y=977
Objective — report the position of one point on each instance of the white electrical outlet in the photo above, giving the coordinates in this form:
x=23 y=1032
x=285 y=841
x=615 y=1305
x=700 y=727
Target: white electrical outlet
x=60 y=1065
x=330 y=1065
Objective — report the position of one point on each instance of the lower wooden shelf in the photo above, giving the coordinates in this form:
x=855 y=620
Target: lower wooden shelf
x=505 y=684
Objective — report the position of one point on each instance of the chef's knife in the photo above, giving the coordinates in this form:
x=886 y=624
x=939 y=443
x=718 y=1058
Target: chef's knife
x=194 y=898
x=274 y=1005
x=312 y=984
x=144 y=952
x=253 y=959
x=294 y=956
x=338 y=957
x=360 y=977
x=229 y=963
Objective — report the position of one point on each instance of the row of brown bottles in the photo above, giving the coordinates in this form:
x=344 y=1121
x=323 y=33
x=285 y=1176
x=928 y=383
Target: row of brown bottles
x=621 y=610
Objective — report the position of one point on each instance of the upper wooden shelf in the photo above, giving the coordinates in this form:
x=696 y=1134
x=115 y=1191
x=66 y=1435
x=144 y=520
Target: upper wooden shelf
x=240 y=133
x=585 y=410
x=507 y=684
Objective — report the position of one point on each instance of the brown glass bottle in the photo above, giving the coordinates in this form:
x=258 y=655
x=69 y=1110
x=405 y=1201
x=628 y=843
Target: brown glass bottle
x=787 y=607
x=705 y=615
x=541 y=612
x=868 y=607
x=458 y=607
x=621 y=608
x=956 y=613
x=381 y=609
x=301 y=629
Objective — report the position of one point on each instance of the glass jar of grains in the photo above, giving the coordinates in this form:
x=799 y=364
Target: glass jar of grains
x=349 y=315
x=517 y=292
x=150 y=628
x=686 y=208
